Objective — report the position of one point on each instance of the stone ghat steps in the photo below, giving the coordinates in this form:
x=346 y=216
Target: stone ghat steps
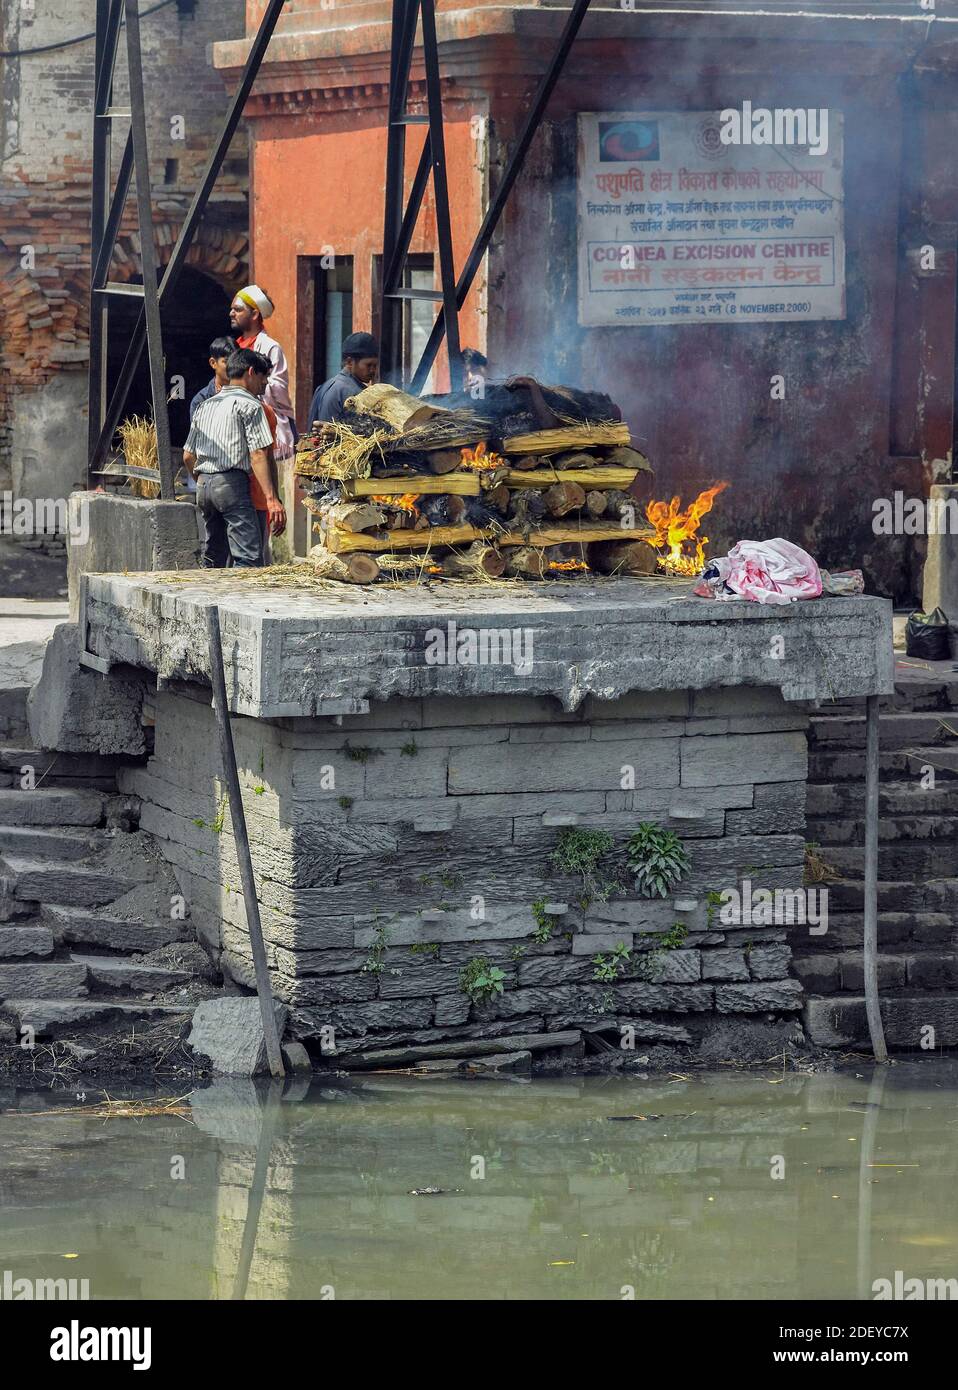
x=77 y=976
x=51 y=1018
x=37 y=880
x=842 y=971
x=77 y=926
x=85 y=771
x=907 y=930
x=898 y=730
x=52 y=806
x=911 y=1020
x=918 y=868
x=65 y=964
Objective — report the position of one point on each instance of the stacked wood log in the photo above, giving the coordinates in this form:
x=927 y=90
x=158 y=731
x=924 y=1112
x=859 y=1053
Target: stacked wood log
x=399 y=477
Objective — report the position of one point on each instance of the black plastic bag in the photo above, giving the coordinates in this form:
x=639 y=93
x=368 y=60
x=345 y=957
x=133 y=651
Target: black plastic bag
x=926 y=636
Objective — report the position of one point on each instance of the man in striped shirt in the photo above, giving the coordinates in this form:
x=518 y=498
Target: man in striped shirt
x=229 y=440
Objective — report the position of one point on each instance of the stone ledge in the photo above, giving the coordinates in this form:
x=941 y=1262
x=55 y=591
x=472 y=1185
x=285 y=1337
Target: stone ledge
x=292 y=652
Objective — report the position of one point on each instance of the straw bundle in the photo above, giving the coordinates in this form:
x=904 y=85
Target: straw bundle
x=140 y=449
x=343 y=453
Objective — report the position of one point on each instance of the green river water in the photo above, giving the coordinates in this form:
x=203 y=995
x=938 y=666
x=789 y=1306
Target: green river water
x=721 y=1185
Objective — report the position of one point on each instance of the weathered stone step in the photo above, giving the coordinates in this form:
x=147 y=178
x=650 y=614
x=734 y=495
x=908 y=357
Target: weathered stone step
x=50 y=806
x=32 y=939
x=35 y=841
x=54 y=1017
x=89 y=770
x=933 y=895
x=77 y=927
x=901 y=861
x=839 y=765
x=844 y=971
x=908 y=695
x=119 y=973
x=908 y=929
x=840 y=1021
x=895 y=730
x=847 y=828
x=47 y=881
x=943 y=760
x=894 y=798
x=42 y=980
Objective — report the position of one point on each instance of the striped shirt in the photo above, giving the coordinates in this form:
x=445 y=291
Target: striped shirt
x=226 y=430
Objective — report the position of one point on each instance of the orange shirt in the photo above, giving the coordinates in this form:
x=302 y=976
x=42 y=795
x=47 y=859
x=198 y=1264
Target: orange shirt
x=255 y=491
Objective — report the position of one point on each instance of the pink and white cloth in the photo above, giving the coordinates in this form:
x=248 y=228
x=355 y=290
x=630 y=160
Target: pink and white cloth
x=775 y=571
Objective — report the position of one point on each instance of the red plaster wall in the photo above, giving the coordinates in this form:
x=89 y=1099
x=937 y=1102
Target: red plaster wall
x=313 y=189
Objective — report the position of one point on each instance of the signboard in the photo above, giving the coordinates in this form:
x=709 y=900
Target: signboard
x=677 y=227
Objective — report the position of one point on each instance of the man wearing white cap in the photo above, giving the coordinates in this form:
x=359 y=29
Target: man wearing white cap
x=249 y=308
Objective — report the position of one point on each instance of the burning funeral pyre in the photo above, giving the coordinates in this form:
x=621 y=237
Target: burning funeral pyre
x=529 y=482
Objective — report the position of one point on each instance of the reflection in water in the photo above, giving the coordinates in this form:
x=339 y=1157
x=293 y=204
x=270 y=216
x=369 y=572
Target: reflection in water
x=714 y=1186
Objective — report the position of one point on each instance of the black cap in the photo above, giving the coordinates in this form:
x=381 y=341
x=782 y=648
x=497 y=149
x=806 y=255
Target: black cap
x=360 y=345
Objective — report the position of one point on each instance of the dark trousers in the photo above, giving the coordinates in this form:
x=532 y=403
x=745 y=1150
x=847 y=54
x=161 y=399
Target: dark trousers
x=229 y=520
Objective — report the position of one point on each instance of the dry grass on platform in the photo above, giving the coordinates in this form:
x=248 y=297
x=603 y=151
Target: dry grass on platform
x=399 y=572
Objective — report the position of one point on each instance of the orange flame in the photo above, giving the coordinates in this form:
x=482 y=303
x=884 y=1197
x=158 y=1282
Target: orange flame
x=568 y=565
x=674 y=527
x=404 y=503
x=479 y=459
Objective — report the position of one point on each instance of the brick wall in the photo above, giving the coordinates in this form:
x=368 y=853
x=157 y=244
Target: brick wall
x=46 y=123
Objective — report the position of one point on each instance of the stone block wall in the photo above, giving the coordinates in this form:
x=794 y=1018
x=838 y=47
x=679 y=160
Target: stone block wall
x=393 y=849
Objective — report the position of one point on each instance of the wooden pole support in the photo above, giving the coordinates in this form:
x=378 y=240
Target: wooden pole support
x=870 y=936
x=274 y=1052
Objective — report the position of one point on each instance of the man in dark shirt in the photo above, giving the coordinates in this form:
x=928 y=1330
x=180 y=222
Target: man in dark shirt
x=221 y=349
x=360 y=365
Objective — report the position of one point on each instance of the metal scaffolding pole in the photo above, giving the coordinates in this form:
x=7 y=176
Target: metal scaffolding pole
x=104 y=417
x=491 y=220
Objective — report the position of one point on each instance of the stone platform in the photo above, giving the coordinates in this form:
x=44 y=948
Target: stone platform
x=300 y=651
x=413 y=757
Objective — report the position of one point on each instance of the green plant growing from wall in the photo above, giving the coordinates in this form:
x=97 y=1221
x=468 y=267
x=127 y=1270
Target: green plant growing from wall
x=375 y=961
x=425 y=948
x=608 y=969
x=651 y=964
x=361 y=755
x=220 y=817
x=480 y=980
x=410 y=749
x=583 y=854
x=656 y=859
x=345 y=802
x=543 y=927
